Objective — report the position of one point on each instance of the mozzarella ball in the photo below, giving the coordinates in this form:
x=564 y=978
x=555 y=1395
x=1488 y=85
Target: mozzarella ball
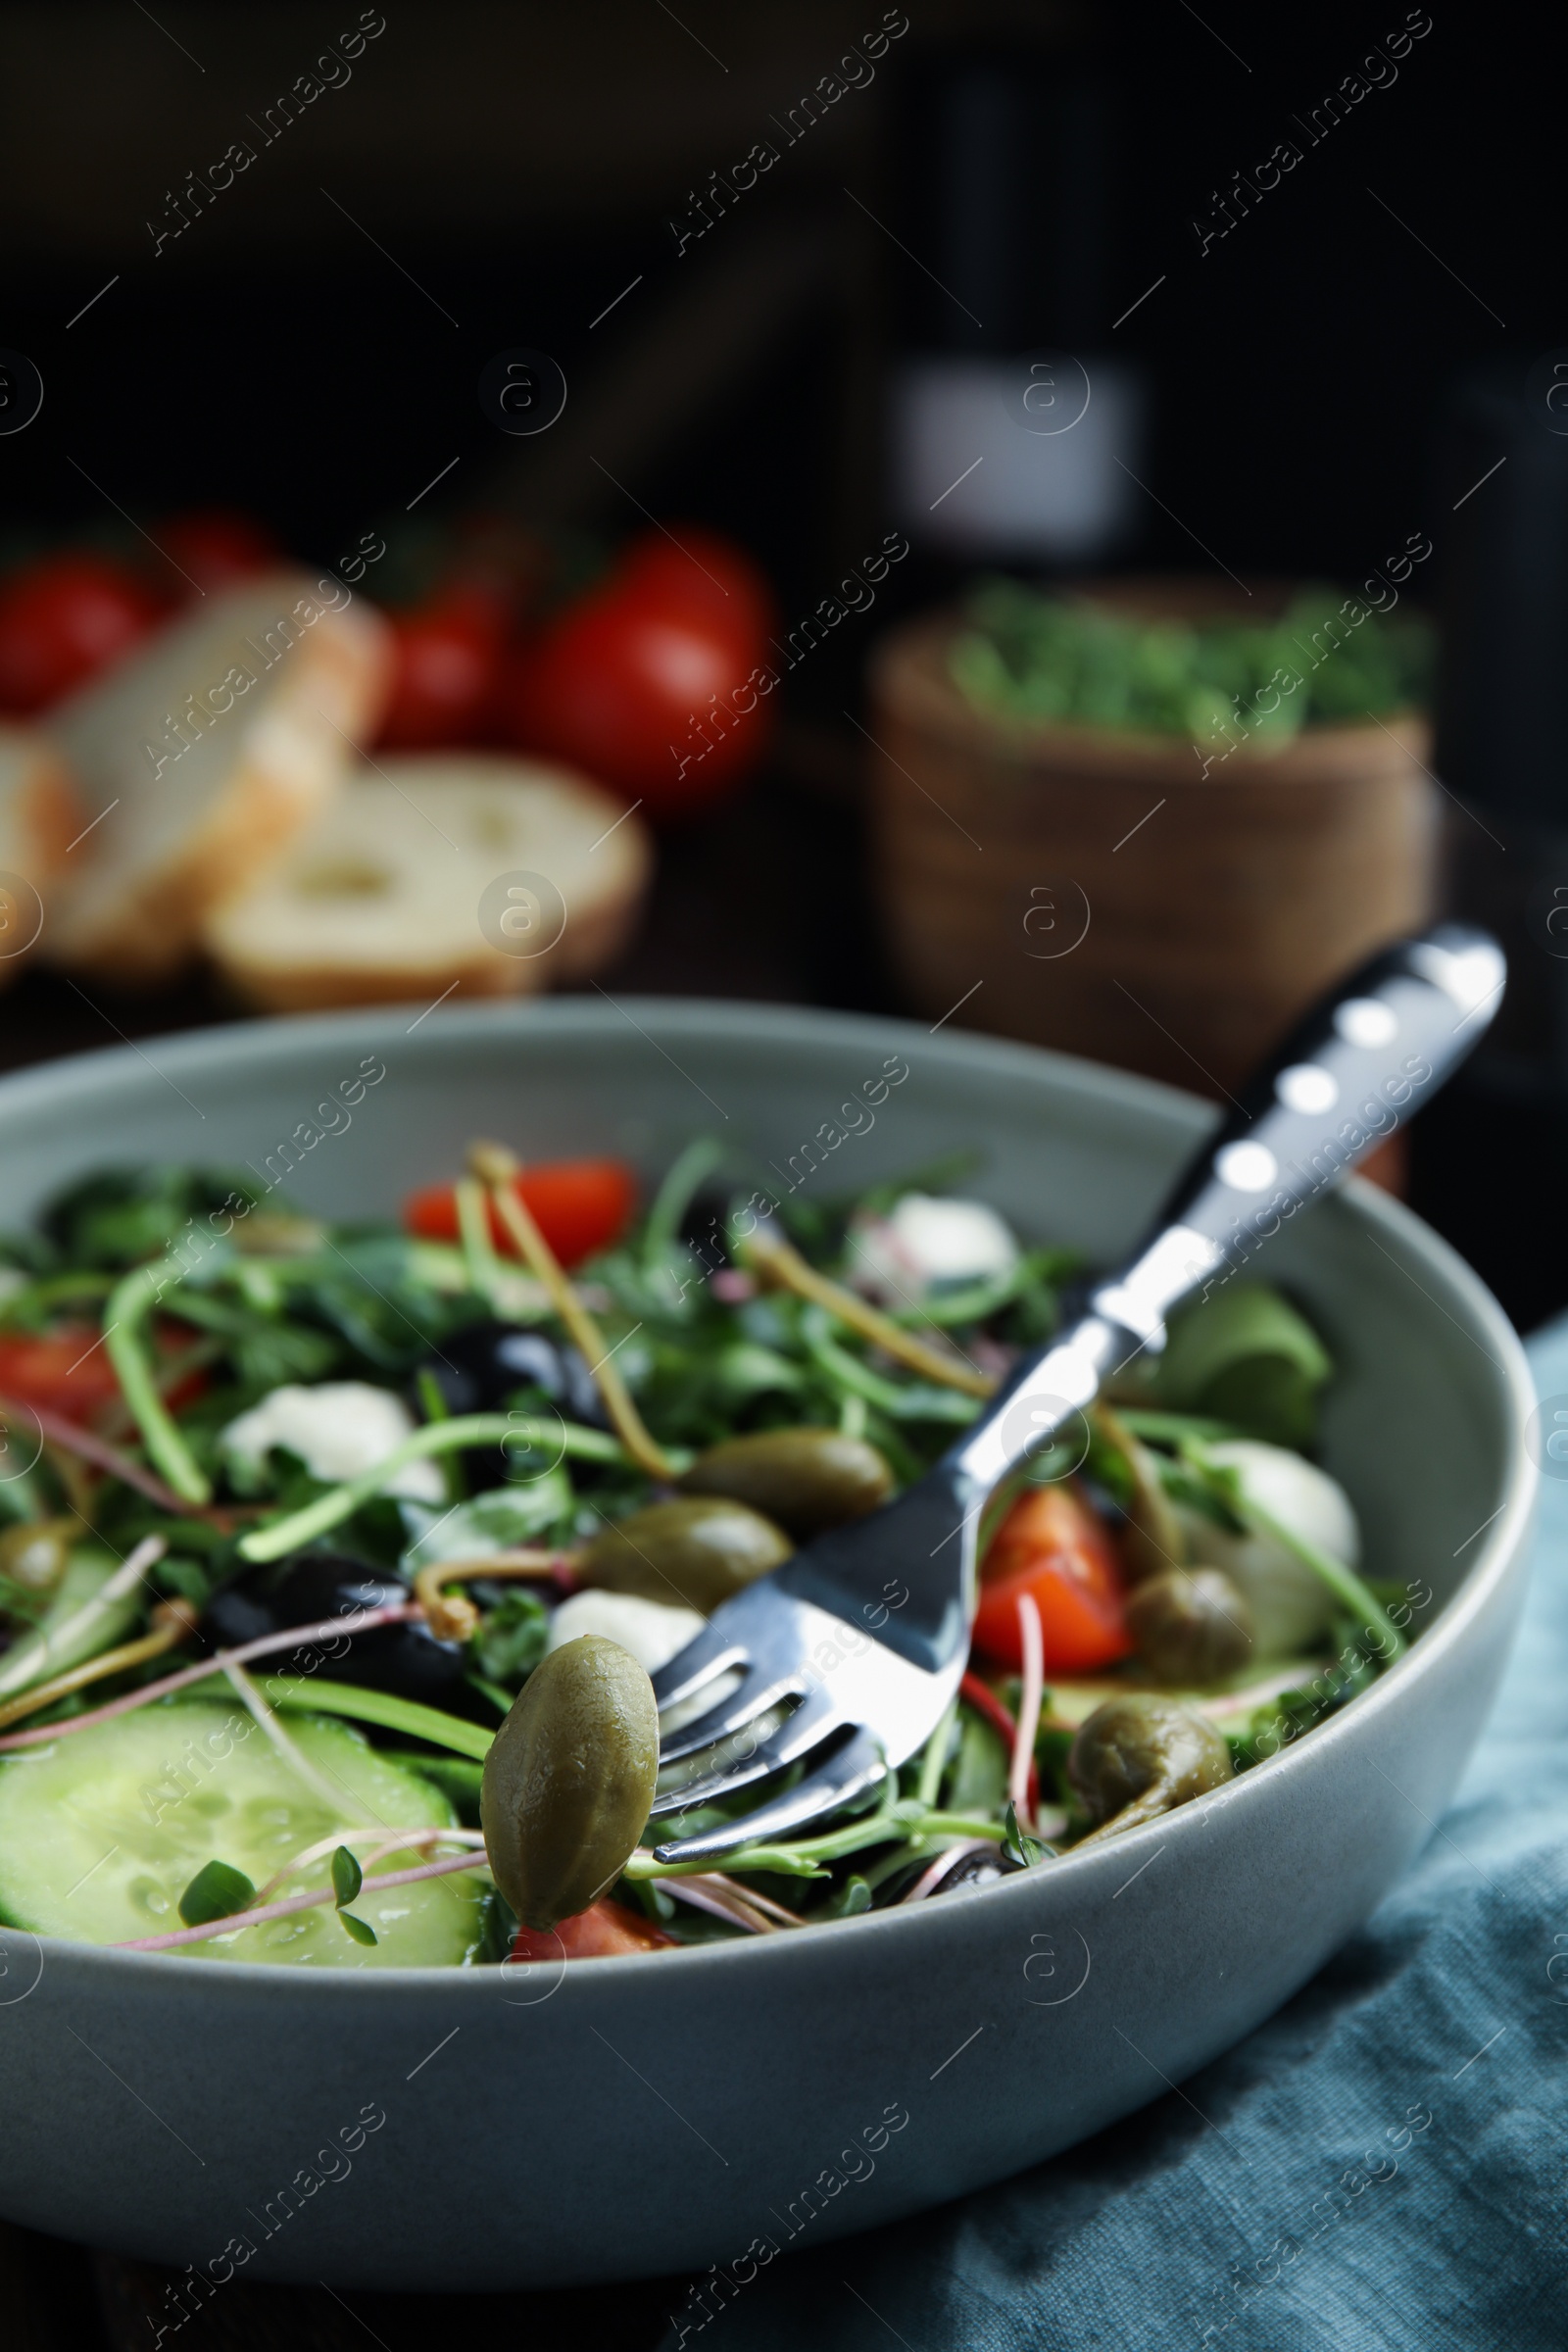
x=925 y=1243
x=651 y=1631
x=339 y=1431
x=1292 y=1606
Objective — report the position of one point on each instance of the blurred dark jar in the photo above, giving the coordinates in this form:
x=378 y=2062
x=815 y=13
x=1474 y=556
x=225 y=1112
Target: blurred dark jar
x=1090 y=888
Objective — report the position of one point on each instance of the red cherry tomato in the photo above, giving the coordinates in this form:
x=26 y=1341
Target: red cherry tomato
x=61 y=619
x=1052 y=1545
x=604 y=1932
x=216 y=546
x=66 y=1371
x=701 y=571
x=449 y=658
x=579 y=1205
x=658 y=681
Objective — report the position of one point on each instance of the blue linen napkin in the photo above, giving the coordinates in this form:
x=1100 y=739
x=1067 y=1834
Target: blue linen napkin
x=1382 y=2163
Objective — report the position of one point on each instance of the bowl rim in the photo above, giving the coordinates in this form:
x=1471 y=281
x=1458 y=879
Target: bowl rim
x=1501 y=1539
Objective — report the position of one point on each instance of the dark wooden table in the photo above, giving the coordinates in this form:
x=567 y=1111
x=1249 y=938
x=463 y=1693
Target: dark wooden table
x=63 y=2298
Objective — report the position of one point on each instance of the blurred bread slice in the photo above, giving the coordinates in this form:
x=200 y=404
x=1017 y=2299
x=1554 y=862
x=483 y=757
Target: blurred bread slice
x=40 y=819
x=407 y=888
x=202 y=754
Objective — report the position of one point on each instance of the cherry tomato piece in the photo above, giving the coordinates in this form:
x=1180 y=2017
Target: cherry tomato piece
x=68 y=1371
x=1053 y=1546
x=216 y=546
x=658 y=681
x=604 y=1932
x=703 y=573
x=63 y=619
x=64 y=1371
x=450 y=655
x=579 y=1205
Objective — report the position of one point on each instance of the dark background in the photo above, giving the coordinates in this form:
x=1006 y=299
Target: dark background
x=522 y=163
x=509 y=169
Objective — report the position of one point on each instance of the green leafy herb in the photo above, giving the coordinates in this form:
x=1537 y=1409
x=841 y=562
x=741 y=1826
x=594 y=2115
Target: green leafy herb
x=500 y=1930
x=24 y=1604
x=847 y=1901
x=979 y=1779
x=900 y=1399
x=745 y=1370
x=1027 y=656
x=216 y=1891
x=189 y=1580
x=347 y=1877
x=1213 y=1493
x=488 y=1523
x=510 y=1640
x=266 y=1351
x=1018 y=1845
x=121 y=1216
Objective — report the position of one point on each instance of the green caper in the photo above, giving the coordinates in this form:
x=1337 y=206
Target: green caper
x=1192 y=1626
x=570 y=1779
x=698 y=1552
x=1137 y=1756
x=35 y=1556
x=807 y=1479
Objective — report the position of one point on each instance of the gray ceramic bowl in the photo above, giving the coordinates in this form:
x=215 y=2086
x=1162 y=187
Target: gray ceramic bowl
x=632 y=2117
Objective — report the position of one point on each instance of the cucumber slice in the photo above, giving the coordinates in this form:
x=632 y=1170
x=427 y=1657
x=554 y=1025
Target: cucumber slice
x=460 y=1778
x=41 y=1653
x=101 y=1834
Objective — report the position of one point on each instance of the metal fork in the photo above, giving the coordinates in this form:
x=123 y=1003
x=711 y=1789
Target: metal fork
x=864 y=1636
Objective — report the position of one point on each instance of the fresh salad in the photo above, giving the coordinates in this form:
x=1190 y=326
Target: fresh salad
x=336 y=1558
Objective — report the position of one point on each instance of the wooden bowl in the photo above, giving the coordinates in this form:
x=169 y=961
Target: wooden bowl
x=1090 y=887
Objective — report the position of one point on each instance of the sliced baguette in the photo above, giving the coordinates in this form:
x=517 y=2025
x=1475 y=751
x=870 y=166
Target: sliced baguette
x=201 y=756
x=40 y=819
x=380 y=901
